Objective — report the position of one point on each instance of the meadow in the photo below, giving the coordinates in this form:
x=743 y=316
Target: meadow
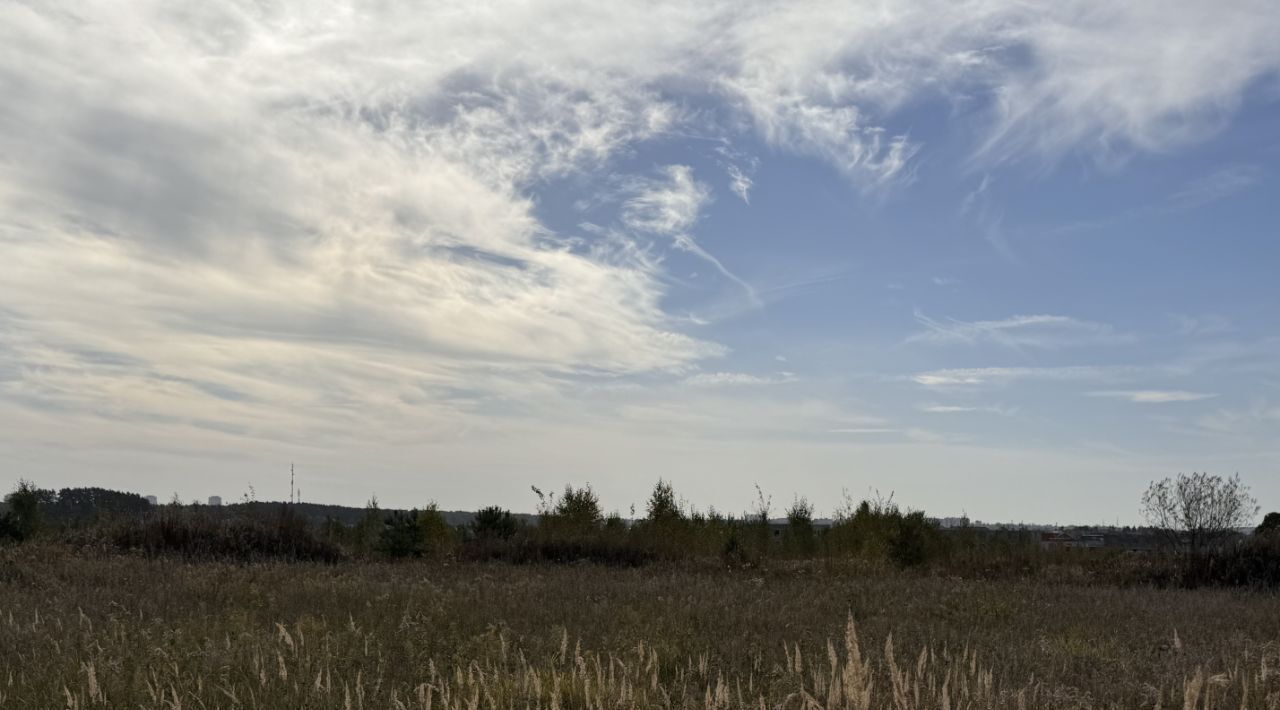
x=79 y=630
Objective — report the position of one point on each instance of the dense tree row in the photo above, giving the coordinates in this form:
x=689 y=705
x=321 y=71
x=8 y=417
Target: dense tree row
x=1197 y=515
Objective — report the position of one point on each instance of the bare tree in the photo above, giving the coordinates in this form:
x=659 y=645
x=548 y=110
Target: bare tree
x=1196 y=510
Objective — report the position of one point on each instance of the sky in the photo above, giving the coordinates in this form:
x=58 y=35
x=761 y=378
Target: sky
x=1000 y=258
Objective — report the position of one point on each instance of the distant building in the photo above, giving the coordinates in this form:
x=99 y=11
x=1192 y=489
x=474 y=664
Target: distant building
x=152 y=500
x=215 y=500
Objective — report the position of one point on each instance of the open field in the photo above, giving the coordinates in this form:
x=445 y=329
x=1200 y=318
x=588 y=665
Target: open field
x=124 y=632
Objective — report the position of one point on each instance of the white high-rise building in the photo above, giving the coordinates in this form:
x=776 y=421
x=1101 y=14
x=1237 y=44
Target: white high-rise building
x=215 y=500
x=153 y=500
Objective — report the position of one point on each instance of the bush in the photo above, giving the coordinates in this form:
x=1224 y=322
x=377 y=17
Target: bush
x=196 y=535
x=9 y=529
x=800 y=539
x=1254 y=562
x=1270 y=525
x=917 y=540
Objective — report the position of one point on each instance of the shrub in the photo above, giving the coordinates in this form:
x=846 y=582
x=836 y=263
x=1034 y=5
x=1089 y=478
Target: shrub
x=917 y=540
x=9 y=530
x=1270 y=525
x=800 y=534
x=1251 y=563
x=196 y=535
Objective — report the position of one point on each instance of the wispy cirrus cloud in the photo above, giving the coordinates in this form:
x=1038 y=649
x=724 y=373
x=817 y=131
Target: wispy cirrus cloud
x=737 y=379
x=1177 y=71
x=962 y=377
x=1215 y=186
x=1154 y=396
x=1259 y=419
x=935 y=408
x=668 y=205
x=319 y=223
x=1020 y=331
x=740 y=183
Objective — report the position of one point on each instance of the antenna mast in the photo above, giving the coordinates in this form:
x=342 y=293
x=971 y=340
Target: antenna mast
x=291 y=482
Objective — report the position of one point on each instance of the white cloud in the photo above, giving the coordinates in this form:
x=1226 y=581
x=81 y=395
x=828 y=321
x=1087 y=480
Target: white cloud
x=1260 y=419
x=309 y=222
x=1211 y=324
x=962 y=409
x=667 y=205
x=1034 y=331
x=736 y=379
x=954 y=377
x=740 y=183
x=1215 y=186
x=1154 y=396
x=1108 y=79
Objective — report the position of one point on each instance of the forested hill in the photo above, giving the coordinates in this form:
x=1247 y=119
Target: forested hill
x=72 y=506
x=318 y=512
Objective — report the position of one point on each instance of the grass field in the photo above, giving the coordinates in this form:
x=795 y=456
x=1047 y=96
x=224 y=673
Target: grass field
x=123 y=632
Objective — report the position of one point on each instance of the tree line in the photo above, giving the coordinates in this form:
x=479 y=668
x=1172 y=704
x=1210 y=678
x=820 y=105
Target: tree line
x=1196 y=516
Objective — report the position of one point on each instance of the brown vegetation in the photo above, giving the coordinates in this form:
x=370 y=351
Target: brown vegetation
x=129 y=632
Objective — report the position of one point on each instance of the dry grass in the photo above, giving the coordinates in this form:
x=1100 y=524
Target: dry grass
x=133 y=633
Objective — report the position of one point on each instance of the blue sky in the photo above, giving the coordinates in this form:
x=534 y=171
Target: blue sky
x=1009 y=259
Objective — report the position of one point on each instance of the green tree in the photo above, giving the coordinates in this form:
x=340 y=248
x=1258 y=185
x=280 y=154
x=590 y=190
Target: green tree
x=663 y=505
x=25 y=517
x=578 y=510
x=493 y=523
x=401 y=536
x=437 y=537
x=78 y=505
x=365 y=533
x=1270 y=525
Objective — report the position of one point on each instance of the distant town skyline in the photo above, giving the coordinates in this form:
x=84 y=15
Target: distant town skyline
x=1009 y=259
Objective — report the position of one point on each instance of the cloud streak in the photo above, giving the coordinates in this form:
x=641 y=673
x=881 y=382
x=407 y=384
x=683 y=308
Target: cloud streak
x=1021 y=331
x=963 y=409
x=974 y=376
x=668 y=206
x=736 y=379
x=1154 y=396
